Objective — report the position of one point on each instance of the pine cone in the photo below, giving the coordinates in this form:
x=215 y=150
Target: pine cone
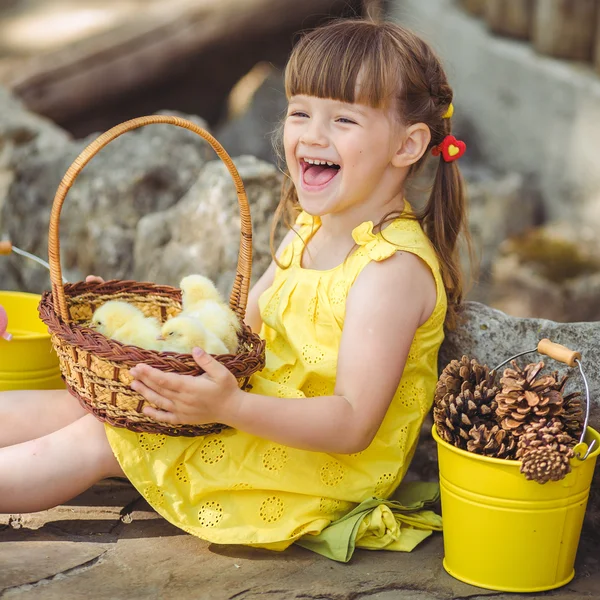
x=492 y=441
x=525 y=397
x=545 y=449
x=545 y=464
x=545 y=432
x=572 y=416
x=464 y=399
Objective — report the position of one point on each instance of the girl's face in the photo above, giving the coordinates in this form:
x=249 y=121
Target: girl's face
x=339 y=155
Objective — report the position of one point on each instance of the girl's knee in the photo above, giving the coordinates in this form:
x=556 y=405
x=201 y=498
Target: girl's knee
x=95 y=431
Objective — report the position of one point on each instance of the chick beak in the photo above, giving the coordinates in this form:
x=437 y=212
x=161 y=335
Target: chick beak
x=160 y=337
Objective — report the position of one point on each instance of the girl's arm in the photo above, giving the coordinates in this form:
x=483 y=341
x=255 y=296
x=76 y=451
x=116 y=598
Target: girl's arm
x=385 y=307
x=253 y=318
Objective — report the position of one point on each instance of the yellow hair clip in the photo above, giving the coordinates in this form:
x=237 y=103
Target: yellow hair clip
x=449 y=112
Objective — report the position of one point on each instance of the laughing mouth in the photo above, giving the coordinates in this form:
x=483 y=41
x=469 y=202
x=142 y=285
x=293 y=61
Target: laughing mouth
x=317 y=173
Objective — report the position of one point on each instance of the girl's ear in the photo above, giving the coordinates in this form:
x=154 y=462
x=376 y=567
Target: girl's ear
x=414 y=144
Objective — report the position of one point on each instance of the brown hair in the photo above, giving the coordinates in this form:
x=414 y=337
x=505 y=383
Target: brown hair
x=397 y=69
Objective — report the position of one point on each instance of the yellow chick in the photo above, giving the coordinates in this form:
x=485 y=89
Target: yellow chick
x=201 y=300
x=127 y=324
x=182 y=334
x=195 y=288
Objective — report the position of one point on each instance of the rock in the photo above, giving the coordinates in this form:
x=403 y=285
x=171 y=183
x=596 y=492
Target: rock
x=500 y=206
x=492 y=77
x=42 y=561
x=262 y=112
x=201 y=233
x=551 y=272
x=147 y=170
x=23 y=135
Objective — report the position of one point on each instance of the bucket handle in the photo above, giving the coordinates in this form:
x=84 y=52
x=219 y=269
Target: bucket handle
x=6 y=247
x=570 y=358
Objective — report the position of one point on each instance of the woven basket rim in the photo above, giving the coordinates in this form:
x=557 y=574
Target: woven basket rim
x=87 y=339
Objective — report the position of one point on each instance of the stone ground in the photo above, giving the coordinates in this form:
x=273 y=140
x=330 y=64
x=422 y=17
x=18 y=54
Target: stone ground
x=108 y=544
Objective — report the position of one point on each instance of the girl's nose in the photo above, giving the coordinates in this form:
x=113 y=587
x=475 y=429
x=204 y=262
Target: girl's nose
x=314 y=134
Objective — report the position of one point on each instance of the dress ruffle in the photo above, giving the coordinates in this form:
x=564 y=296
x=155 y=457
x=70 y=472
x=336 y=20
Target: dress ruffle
x=375 y=245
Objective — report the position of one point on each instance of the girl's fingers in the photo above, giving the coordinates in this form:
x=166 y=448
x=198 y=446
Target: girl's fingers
x=163 y=403
x=156 y=379
x=160 y=415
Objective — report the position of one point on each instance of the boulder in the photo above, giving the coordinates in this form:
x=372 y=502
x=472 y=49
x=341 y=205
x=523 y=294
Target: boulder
x=23 y=136
x=260 y=113
x=201 y=233
x=500 y=206
x=144 y=171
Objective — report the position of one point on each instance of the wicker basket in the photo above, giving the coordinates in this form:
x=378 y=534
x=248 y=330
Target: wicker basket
x=95 y=368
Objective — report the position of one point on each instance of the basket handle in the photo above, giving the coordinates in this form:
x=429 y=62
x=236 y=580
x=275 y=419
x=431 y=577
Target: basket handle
x=239 y=293
x=558 y=352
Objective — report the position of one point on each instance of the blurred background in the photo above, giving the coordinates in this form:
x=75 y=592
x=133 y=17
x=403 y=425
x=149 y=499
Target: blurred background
x=156 y=205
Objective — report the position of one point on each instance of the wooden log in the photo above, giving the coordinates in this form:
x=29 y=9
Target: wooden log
x=475 y=7
x=106 y=67
x=565 y=28
x=513 y=18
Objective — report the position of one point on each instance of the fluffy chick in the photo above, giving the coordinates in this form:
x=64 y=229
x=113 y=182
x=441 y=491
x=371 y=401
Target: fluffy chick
x=195 y=288
x=182 y=334
x=201 y=300
x=127 y=324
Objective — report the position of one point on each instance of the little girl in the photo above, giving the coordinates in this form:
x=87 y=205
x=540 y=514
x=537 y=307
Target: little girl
x=352 y=310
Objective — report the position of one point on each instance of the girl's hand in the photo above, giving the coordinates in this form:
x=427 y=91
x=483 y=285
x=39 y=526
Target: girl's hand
x=185 y=399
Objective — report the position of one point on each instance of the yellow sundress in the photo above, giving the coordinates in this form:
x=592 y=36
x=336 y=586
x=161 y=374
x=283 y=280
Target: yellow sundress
x=236 y=488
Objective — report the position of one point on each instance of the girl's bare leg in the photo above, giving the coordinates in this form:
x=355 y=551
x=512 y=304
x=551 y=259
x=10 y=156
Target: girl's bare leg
x=45 y=472
x=26 y=415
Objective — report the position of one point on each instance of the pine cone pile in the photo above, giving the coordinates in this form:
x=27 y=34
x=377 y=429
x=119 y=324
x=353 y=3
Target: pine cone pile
x=464 y=406
x=529 y=418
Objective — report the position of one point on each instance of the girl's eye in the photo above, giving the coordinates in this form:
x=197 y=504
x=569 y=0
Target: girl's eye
x=345 y=120
x=297 y=113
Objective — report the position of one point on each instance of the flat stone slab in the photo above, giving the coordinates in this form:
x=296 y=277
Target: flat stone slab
x=108 y=544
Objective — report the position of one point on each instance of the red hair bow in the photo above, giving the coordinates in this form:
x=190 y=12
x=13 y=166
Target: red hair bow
x=451 y=148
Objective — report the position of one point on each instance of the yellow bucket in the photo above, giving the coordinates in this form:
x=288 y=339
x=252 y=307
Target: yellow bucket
x=28 y=361
x=503 y=532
